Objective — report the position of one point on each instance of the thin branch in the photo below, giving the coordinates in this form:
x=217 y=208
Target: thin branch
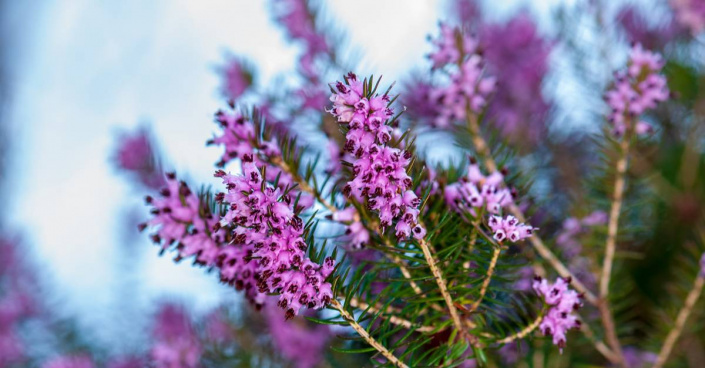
x=525 y=331
x=683 y=315
x=488 y=278
x=444 y=290
x=402 y=267
x=366 y=336
x=599 y=345
x=483 y=151
x=611 y=245
x=613 y=224
x=391 y=318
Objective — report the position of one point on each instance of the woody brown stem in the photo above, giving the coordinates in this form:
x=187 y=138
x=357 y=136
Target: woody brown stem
x=366 y=336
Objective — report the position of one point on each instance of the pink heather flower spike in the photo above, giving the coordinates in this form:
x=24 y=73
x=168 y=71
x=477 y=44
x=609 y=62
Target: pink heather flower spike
x=509 y=228
x=702 y=265
x=562 y=302
x=637 y=89
x=379 y=171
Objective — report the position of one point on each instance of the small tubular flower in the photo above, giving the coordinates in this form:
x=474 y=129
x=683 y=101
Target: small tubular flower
x=637 y=89
x=475 y=191
x=509 y=228
x=562 y=302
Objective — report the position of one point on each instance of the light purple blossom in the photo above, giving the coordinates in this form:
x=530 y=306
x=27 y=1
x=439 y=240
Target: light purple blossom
x=475 y=191
x=379 y=170
x=562 y=302
x=702 y=265
x=509 y=228
x=638 y=88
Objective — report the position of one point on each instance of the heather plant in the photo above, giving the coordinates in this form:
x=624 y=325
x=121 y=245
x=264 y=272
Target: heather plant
x=428 y=263
x=459 y=217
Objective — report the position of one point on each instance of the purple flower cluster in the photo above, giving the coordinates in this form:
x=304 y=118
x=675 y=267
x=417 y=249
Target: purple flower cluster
x=518 y=56
x=379 y=170
x=185 y=223
x=636 y=90
x=176 y=343
x=702 y=265
x=264 y=221
x=136 y=155
x=237 y=78
x=561 y=302
x=690 y=14
x=509 y=228
x=475 y=190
